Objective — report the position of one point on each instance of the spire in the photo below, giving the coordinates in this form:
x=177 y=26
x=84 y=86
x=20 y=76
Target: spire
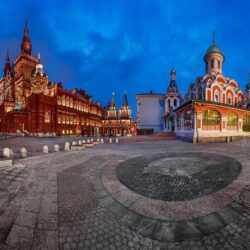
x=39 y=57
x=172 y=88
x=7 y=59
x=172 y=73
x=26 y=46
x=113 y=100
x=125 y=100
x=26 y=29
x=7 y=67
x=214 y=33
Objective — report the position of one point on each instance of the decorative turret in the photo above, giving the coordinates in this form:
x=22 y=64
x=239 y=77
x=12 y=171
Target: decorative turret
x=214 y=58
x=39 y=68
x=125 y=111
x=7 y=67
x=112 y=104
x=173 y=97
x=26 y=46
x=112 y=111
x=172 y=88
x=39 y=79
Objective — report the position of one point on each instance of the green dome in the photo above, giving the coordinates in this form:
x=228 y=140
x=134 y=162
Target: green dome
x=18 y=107
x=213 y=49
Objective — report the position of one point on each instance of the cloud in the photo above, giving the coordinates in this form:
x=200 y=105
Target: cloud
x=106 y=46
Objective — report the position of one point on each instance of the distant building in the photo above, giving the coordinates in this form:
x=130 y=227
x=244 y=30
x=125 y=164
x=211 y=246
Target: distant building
x=150 y=111
x=118 y=122
x=173 y=100
x=215 y=108
x=155 y=111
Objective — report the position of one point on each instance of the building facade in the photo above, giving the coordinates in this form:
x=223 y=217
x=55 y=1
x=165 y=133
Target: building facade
x=155 y=111
x=118 y=122
x=150 y=110
x=215 y=108
x=32 y=105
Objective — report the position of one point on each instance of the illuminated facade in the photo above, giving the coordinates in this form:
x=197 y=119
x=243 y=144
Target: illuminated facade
x=215 y=108
x=118 y=122
x=31 y=104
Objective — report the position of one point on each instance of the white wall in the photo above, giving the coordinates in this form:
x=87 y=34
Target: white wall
x=150 y=111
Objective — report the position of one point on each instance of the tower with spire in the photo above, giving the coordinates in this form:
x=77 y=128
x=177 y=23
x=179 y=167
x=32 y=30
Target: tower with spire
x=214 y=58
x=7 y=67
x=39 y=80
x=125 y=111
x=26 y=46
x=112 y=110
x=173 y=96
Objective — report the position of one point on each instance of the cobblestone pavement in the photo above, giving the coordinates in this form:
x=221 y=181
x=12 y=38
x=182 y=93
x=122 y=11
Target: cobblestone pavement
x=74 y=200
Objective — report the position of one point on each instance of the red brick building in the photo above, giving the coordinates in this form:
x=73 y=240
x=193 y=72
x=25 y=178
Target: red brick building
x=118 y=122
x=31 y=104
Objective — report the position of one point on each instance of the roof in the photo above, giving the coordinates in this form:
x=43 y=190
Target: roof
x=214 y=49
x=125 y=101
x=208 y=102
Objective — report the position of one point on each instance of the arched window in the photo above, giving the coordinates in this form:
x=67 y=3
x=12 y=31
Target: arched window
x=246 y=123
x=169 y=103
x=63 y=100
x=216 y=95
x=67 y=101
x=211 y=120
x=212 y=63
x=175 y=102
x=188 y=120
x=219 y=64
x=230 y=99
x=232 y=119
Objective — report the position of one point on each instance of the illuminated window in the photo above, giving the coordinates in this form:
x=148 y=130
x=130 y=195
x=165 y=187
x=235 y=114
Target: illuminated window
x=211 y=117
x=232 y=119
x=59 y=119
x=63 y=100
x=246 y=123
x=47 y=117
x=67 y=101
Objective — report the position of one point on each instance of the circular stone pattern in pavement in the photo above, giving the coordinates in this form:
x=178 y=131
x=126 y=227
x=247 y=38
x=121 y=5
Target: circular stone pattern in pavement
x=178 y=176
x=245 y=196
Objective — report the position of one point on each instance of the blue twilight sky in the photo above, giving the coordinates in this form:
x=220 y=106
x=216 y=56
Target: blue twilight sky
x=128 y=45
